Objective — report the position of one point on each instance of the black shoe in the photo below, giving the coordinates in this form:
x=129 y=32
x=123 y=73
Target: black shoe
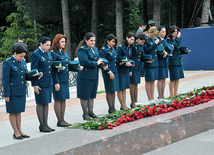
x=63 y=125
x=49 y=127
x=68 y=124
x=25 y=136
x=43 y=128
x=132 y=106
x=121 y=108
x=111 y=111
x=18 y=138
x=93 y=115
x=86 y=117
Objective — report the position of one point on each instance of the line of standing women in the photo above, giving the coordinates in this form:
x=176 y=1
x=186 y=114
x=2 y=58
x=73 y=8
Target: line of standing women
x=119 y=75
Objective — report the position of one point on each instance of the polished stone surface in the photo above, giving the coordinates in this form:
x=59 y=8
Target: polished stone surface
x=136 y=137
x=201 y=144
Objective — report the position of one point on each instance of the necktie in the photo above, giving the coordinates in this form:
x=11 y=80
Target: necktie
x=129 y=51
x=92 y=50
x=19 y=62
x=46 y=53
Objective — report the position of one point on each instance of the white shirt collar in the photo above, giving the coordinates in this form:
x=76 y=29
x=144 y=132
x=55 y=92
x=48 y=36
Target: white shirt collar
x=161 y=38
x=41 y=49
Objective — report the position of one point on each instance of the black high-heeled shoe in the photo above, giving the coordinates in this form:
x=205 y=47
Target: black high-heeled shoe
x=18 y=138
x=93 y=115
x=25 y=136
x=111 y=111
x=49 y=127
x=121 y=108
x=86 y=117
x=43 y=128
x=132 y=106
x=63 y=125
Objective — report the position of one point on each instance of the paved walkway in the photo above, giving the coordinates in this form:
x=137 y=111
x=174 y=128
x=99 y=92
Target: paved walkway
x=193 y=79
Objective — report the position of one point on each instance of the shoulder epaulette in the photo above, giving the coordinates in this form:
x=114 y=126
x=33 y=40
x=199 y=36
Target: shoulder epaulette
x=8 y=58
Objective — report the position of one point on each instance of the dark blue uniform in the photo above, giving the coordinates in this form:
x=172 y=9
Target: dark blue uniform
x=151 y=69
x=43 y=63
x=163 y=64
x=14 y=84
x=111 y=55
x=61 y=76
x=175 y=61
x=123 y=70
x=136 y=70
x=87 y=79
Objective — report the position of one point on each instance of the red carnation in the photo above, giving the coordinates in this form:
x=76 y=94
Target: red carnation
x=146 y=107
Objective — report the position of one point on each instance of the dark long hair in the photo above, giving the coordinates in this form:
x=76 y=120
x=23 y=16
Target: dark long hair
x=128 y=35
x=141 y=36
x=109 y=38
x=86 y=37
x=172 y=30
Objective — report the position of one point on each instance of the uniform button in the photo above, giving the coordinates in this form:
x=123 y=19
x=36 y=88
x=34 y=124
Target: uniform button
x=49 y=71
x=95 y=57
x=13 y=61
x=139 y=56
x=21 y=76
x=140 y=52
x=139 y=59
x=66 y=59
x=11 y=84
x=115 y=56
x=21 y=71
x=109 y=65
x=67 y=69
x=114 y=60
x=179 y=56
x=156 y=55
x=49 y=66
x=49 y=61
x=66 y=64
x=86 y=69
x=22 y=82
x=180 y=52
x=115 y=65
x=155 y=50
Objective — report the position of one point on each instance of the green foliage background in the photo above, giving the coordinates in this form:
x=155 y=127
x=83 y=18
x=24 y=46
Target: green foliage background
x=21 y=14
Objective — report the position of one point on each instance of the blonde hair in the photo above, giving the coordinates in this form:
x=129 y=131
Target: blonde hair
x=153 y=31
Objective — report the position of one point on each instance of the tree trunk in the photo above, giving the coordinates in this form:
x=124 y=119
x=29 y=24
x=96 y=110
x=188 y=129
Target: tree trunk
x=173 y=12
x=145 y=12
x=66 y=26
x=157 y=12
x=205 y=13
x=119 y=21
x=94 y=17
x=182 y=13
